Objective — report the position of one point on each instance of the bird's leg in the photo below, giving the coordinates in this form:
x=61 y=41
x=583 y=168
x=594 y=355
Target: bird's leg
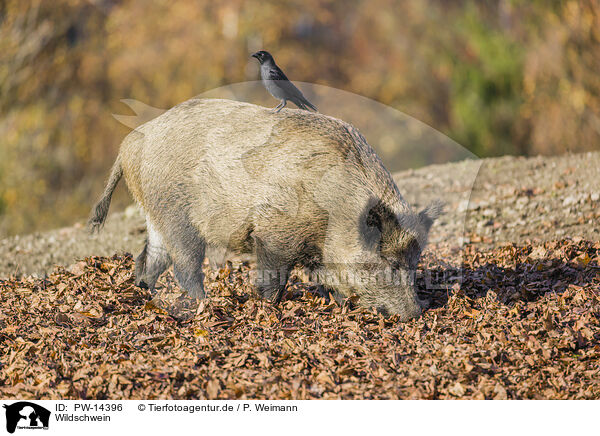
x=277 y=107
x=283 y=103
x=282 y=106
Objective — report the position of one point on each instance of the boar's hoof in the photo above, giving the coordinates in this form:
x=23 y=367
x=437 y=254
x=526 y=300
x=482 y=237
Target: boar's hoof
x=191 y=279
x=141 y=284
x=271 y=293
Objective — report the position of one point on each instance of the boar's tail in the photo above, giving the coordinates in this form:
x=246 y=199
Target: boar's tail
x=98 y=215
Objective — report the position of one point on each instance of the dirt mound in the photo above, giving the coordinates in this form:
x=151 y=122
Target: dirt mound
x=510 y=322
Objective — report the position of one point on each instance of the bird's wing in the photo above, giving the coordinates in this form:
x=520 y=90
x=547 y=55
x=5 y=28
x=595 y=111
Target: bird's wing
x=292 y=93
x=282 y=81
x=275 y=73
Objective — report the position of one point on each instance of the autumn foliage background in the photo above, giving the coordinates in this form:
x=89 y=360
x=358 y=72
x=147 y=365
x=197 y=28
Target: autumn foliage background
x=506 y=77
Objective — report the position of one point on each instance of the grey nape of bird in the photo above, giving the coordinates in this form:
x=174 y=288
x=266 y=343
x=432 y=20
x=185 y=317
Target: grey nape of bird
x=278 y=84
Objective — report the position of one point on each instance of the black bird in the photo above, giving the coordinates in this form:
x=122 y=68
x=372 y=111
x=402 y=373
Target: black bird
x=278 y=84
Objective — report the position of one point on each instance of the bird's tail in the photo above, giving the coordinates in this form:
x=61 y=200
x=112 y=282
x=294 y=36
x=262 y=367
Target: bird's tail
x=303 y=103
x=98 y=215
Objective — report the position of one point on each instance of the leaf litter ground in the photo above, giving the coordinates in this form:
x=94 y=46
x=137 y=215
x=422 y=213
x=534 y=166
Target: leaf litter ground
x=513 y=322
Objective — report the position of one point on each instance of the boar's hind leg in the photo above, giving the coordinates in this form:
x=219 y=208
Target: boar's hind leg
x=152 y=261
x=190 y=277
x=273 y=271
x=188 y=250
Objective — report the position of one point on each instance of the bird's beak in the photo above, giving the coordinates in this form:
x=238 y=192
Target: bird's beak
x=255 y=55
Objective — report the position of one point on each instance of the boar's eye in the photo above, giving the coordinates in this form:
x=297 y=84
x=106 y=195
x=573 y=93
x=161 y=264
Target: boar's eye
x=411 y=254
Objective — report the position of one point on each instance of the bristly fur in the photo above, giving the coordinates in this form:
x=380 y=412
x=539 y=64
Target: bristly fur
x=293 y=188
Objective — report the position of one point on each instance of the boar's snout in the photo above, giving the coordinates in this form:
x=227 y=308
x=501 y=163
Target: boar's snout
x=406 y=308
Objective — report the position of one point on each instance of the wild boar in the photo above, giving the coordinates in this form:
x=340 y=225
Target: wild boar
x=294 y=188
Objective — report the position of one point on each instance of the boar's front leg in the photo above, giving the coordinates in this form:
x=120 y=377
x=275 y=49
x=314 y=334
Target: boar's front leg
x=273 y=270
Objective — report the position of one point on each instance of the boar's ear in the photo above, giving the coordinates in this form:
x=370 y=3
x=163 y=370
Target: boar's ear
x=431 y=213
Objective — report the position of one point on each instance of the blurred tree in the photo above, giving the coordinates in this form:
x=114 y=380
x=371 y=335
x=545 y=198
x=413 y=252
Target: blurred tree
x=511 y=76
